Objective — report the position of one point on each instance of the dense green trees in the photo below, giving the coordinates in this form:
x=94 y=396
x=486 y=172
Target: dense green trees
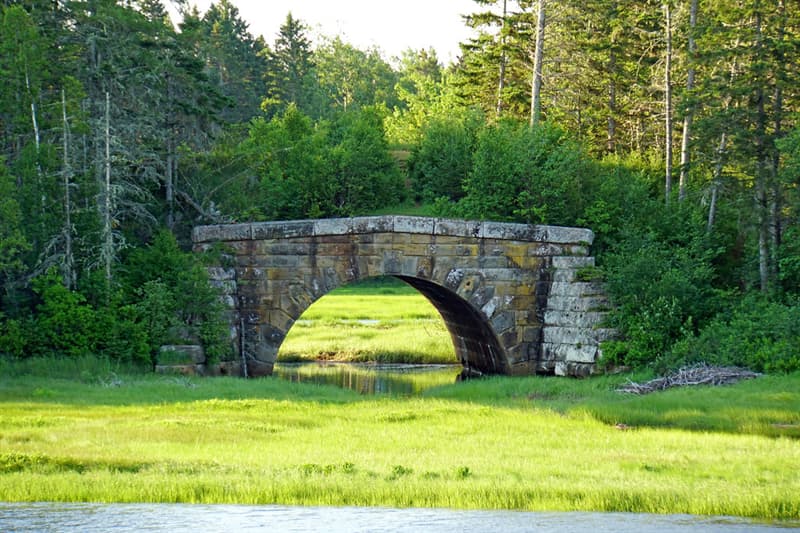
x=119 y=131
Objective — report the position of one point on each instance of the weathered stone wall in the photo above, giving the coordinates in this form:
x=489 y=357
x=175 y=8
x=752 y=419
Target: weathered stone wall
x=506 y=292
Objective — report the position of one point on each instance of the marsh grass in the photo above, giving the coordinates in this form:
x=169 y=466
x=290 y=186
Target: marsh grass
x=379 y=320
x=501 y=443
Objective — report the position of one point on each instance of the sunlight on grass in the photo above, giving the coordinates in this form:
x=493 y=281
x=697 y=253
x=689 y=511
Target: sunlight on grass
x=501 y=443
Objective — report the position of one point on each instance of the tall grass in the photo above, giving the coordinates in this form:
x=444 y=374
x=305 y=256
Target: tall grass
x=503 y=443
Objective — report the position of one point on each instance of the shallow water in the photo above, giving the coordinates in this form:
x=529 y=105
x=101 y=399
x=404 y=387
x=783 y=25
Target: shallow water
x=90 y=517
x=370 y=378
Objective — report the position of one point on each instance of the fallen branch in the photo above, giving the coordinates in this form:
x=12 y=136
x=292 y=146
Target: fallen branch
x=700 y=374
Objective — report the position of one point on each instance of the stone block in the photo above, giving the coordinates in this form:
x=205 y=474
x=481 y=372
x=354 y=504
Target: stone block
x=282 y=229
x=456 y=228
x=576 y=288
x=562 y=275
x=512 y=232
x=257 y=369
x=587 y=319
x=573 y=262
x=332 y=226
x=404 y=224
x=566 y=235
x=497 y=263
x=362 y=225
x=507 y=274
x=221 y=274
x=502 y=321
x=575 y=249
x=220 y=232
x=583 y=304
x=576 y=335
x=545 y=250
x=570 y=352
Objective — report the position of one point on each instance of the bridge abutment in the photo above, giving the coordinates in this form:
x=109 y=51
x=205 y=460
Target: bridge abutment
x=509 y=294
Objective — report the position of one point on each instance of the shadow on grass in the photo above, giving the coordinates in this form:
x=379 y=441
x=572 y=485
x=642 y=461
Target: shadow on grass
x=767 y=406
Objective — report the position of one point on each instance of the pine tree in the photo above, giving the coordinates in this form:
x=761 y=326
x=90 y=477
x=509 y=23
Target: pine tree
x=289 y=74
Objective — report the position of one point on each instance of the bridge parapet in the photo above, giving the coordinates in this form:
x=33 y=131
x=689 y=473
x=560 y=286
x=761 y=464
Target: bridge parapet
x=506 y=292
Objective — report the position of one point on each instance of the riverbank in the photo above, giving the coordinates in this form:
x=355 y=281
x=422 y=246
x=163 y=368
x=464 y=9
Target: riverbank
x=502 y=443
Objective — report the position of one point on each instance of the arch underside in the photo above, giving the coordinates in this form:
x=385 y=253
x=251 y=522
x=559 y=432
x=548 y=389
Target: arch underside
x=475 y=344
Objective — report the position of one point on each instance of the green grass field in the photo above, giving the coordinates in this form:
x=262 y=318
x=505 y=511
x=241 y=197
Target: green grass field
x=503 y=443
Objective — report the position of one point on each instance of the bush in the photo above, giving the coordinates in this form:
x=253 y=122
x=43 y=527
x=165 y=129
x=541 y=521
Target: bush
x=170 y=296
x=440 y=163
x=661 y=291
x=758 y=334
x=524 y=174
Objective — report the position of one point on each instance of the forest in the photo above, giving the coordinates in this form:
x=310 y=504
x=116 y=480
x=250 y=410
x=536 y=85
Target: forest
x=669 y=127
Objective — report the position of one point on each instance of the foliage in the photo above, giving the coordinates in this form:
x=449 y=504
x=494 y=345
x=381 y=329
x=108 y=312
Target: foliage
x=525 y=174
x=756 y=333
x=160 y=128
x=12 y=240
x=350 y=78
x=442 y=161
x=364 y=172
x=290 y=70
x=661 y=289
x=172 y=298
x=333 y=168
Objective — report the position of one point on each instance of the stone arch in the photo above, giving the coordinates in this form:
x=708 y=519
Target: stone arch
x=509 y=294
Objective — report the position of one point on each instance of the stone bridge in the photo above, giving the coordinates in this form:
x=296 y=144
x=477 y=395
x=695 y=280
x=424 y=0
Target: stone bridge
x=510 y=295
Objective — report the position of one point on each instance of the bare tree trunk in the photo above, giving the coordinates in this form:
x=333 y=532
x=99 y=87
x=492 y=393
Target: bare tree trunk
x=502 y=77
x=536 y=83
x=611 y=132
x=687 y=118
x=761 y=169
x=37 y=143
x=668 y=102
x=776 y=206
x=716 y=183
x=108 y=237
x=69 y=260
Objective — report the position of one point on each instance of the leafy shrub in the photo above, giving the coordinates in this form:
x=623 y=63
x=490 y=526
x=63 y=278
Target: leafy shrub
x=441 y=162
x=65 y=322
x=660 y=290
x=169 y=292
x=12 y=337
x=525 y=174
x=758 y=334
x=789 y=261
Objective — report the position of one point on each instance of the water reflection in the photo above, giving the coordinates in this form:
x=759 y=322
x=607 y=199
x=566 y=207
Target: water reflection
x=370 y=378
x=90 y=517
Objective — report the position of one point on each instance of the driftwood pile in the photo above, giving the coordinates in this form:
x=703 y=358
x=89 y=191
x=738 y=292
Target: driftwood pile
x=700 y=374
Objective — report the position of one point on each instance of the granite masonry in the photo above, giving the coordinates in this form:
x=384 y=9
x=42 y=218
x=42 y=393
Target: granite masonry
x=511 y=295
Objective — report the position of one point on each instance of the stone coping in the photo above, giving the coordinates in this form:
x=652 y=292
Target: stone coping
x=392 y=224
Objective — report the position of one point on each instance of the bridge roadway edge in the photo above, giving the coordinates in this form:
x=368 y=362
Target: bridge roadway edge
x=563 y=330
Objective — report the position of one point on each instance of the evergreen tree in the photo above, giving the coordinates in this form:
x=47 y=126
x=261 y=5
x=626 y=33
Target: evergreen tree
x=234 y=60
x=289 y=74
